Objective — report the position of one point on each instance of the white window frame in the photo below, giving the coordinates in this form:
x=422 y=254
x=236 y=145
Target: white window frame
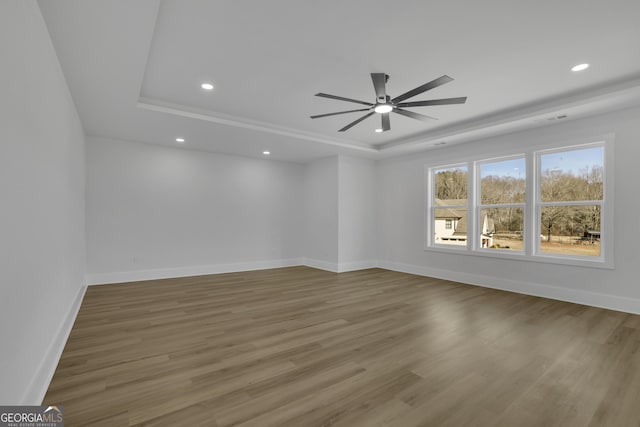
x=532 y=209
x=479 y=205
x=539 y=204
x=431 y=207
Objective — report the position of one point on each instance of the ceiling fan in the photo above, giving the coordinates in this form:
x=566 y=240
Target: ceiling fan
x=385 y=104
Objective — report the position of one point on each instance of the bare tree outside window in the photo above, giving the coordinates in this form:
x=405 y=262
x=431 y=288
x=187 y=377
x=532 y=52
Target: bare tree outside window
x=502 y=203
x=538 y=204
x=570 y=198
x=449 y=206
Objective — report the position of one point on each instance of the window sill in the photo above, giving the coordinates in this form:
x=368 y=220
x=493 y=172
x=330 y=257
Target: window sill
x=575 y=261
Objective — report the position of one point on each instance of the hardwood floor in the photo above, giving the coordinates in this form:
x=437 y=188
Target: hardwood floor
x=304 y=347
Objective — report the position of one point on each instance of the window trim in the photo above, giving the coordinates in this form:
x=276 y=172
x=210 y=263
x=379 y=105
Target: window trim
x=430 y=213
x=531 y=208
x=539 y=204
x=479 y=206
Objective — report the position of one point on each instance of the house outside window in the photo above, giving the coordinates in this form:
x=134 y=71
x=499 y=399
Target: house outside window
x=548 y=204
x=449 y=205
x=501 y=207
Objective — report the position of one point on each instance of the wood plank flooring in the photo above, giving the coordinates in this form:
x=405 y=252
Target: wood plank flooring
x=303 y=347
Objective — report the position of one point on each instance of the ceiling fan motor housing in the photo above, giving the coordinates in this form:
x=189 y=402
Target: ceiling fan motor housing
x=384 y=100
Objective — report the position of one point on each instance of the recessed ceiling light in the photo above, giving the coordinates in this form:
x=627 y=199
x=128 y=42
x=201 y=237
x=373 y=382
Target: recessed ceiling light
x=180 y=140
x=378 y=130
x=580 y=67
x=383 y=108
x=206 y=86
x=266 y=153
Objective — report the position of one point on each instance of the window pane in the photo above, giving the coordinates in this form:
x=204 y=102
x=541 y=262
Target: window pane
x=451 y=184
x=571 y=230
x=501 y=228
x=456 y=234
x=503 y=182
x=572 y=175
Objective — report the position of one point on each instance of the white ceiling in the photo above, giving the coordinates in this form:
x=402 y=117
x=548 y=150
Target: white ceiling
x=134 y=68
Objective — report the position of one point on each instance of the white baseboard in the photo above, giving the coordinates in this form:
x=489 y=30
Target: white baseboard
x=42 y=378
x=342 y=267
x=40 y=382
x=198 y=270
x=169 y=273
x=356 y=265
x=333 y=267
x=595 y=299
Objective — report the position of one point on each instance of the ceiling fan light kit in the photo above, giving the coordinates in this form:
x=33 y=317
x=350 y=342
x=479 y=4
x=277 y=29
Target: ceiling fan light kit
x=383 y=108
x=385 y=104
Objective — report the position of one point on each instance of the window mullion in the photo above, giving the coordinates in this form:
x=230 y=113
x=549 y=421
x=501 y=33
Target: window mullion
x=572 y=203
x=531 y=223
x=550 y=173
x=502 y=205
x=474 y=185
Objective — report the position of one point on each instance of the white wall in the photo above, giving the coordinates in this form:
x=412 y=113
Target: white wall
x=321 y=213
x=155 y=211
x=162 y=212
x=356 y=213
x=166 y=212
x=340 y=214
x=401 y=213
x=42 y=256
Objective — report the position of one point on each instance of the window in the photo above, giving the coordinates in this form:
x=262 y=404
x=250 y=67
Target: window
x=551 y=205
x=569 y=202
x=502 y=204
x=449 y=205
